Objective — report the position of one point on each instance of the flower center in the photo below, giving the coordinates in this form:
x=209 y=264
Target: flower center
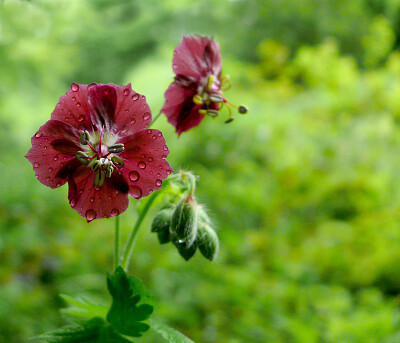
x=99 y=153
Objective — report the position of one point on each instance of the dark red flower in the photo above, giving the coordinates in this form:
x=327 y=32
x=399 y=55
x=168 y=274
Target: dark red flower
x=97 y=141
x=196 y=90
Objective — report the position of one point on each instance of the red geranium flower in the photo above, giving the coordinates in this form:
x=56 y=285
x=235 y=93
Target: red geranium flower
x=196 y=90
x=97 y=141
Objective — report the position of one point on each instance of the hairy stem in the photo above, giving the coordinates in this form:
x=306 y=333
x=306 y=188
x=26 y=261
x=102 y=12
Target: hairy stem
x=116 y=246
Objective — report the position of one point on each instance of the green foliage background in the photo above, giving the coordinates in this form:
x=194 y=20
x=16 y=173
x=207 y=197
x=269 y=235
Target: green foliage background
x=305 y=189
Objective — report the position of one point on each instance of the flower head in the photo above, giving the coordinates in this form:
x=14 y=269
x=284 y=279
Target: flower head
x=197 y=88
x=97 y=140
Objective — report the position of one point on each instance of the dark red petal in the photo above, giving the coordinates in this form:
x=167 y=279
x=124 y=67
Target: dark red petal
x=145 y=165
x=109 y=200
x=132 y=113
x=53 y=152
x=73 y=107
x=197 y=57
x=180 y=109
x=102 y=103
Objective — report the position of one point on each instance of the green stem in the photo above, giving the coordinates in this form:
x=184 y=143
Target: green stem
x=116 y=251
x=155 y=118
x=133 y=235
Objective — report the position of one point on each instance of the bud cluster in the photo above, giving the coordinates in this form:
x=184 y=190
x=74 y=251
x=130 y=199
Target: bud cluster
x=187 y=226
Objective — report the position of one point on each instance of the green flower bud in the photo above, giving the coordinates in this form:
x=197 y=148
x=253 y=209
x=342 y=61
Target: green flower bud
x=164 y=236
x=207 y=241
x=162 y=220
x=185 y=250
x=184 y=221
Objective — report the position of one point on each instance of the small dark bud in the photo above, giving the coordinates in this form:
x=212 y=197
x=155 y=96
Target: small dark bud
x=243 y=109
x=184 y=221
x=207 y=242
x=164 y=236
x=185 y=250
x=162 y=220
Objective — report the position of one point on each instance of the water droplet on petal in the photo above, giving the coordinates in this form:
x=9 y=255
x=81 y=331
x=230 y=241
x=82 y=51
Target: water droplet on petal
x=45 y=147
x=133 y=121
x=159 y=134
x=81 y=117
x=55 y=158
x=169 y=172
x=154 y=137
x=78 y=104
x=106 y=91
x=38 y=135
x=66 y=119
x=97 y=188
x=58 y=184
x=135 y=97
x=73 y=202
x=158 y=174
x=146 y=116
x=50 y=169
x=126 y=91
x=134 y=175
x=92 y=199
x=136 y=192
x=158 y=182
x=150 y=159
x=125 y=129
x=47 y=179
x=165 y=148
x=114 y=212
x=149 y=132
x=90 y=215
x=142 y=165
x=73 y=98
x=36 y=164
x=81 y=191
x=75 y=87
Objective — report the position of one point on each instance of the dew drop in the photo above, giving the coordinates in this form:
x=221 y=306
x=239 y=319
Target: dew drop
x=146 y=116
x=136 y=192
x=36 y=164
x=150 y=190
x=45 y=147
x=158 y=182
x=134 y=175
x=169 y=172
x=154 y=137
x=90 y=215
x=66 y=119
x=58 y=184
x=47 y=179
x=55 y=158
x=165 y=148
x=78 y=104
x=126 y=91
x=97 y=188
x=150 y=159
x=135 y=96
x=142 y=165
x=75 y=87
x=124 y=129
x=81 y=191
x=114 y=212
x=143 y=155
x=38 y=135
x=159 y=134
x=149 y=132
x=92 y=199
x=81 y=117
x=158 y=174
x=50 y=169
x=116 y=192
x=73 y=202
x=133 y=121
x=73 y=98
x=107 y=91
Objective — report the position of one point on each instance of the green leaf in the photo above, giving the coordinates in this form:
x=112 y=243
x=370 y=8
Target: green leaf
x=170 y=334
x=131 y=305
x=82 y=308
x=95 y=330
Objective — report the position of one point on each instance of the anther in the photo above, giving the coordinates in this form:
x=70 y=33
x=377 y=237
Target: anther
x=99 y=178
x=210 y=81
x=229 y=120
x=243 y=109
x=216 y=98
x=109 y=171
x=197 y=99
x=116 y=148
x=212 y=113
x=84 y=136
x=82 y=157
x=118 y=162
x=95 y=165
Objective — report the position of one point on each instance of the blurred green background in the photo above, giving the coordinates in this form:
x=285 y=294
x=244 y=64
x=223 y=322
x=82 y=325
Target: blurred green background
x=304 y=190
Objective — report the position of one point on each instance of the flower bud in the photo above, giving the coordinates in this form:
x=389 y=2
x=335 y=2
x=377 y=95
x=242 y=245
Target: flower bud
x=184 y=221
x=207 y=241
x=185 y=250
x=162 y=220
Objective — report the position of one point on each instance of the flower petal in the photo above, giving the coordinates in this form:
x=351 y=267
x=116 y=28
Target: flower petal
x=180 y=109
x=145 y=165
x=73 y=107
x=53 y=152
x=109 y=200
x=132 y=113
x=197 y=57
